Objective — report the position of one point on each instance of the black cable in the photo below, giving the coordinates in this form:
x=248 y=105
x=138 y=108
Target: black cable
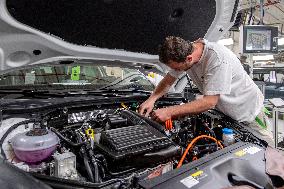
x=88 y=168
x=96 y=170
x=104 y=164
x=11 y=129
x=66 y=139
x=102 y=171
x=85 y=157
x=190 y=85
x=71 y=126
x=179 y=79
x=119 y=81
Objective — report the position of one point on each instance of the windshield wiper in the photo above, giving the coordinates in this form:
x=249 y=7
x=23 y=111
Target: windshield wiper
x=119 y=91
x=116 y=83
x=106 y=92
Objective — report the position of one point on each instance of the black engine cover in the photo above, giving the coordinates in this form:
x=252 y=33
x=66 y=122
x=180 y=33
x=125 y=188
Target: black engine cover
x=132 y=141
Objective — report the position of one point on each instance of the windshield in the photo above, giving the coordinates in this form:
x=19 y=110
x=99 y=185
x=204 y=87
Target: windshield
x=93 y=76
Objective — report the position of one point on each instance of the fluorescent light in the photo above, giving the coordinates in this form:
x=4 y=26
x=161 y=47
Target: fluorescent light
x=264 y=57
x=281 y=41
x=226 y=42
x=263 y=62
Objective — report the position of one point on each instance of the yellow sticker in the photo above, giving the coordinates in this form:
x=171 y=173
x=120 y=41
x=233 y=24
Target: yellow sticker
x=197 y=174
x=90 y=133
x=240 y=153
x=75 y=73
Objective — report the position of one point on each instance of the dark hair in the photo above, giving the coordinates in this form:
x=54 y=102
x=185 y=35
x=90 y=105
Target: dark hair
x=175 y=49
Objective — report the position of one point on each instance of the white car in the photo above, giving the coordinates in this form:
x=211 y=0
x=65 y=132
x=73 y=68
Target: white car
x=71 y=82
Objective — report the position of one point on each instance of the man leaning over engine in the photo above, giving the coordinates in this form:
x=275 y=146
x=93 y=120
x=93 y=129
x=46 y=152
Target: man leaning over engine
x=220 y=77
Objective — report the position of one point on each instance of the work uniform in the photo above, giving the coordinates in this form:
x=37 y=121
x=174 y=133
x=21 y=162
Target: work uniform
x=219 y=72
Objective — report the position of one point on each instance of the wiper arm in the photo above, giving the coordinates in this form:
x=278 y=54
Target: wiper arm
x=113 y=84
x=130 y=90
x=91 y=93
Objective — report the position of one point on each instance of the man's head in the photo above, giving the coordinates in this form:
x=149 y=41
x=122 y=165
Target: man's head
x=178 y=53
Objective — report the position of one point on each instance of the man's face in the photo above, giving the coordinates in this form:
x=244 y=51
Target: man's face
x=181 y=66
x=190 y=60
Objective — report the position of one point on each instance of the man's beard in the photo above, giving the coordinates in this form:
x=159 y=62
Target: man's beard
x=189 y=66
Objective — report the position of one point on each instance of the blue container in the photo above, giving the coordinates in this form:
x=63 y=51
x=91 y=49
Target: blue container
x=228 y=136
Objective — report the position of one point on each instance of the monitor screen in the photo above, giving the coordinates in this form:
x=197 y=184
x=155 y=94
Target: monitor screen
x=259 y=39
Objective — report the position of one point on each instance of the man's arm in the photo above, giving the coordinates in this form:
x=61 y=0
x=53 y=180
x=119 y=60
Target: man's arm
x=194 y=107
x=161 y=89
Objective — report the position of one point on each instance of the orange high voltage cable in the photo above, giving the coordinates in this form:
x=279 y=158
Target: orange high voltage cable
x=169 y=124
x=166 y=124
x=191 y=144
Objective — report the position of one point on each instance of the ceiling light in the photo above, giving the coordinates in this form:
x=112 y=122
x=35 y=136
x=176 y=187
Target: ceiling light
x=226 y=42
x=264 y=57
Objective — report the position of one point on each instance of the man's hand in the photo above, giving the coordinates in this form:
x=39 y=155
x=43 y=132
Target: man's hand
x=162 y=88
x=146 y=107
x=161 y=115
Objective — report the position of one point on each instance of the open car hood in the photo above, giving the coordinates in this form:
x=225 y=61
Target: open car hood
x=34 y=32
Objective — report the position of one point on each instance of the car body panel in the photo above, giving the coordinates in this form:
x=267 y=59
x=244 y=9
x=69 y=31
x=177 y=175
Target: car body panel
x=20 y=44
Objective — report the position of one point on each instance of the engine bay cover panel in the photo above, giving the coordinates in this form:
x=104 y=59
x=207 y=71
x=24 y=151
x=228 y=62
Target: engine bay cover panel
x=107 y=23
x=241 y=163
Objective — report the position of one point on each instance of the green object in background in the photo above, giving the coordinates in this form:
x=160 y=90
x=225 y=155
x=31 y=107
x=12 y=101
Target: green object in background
x=266 y=111
x=260 y=123
x=75 y=73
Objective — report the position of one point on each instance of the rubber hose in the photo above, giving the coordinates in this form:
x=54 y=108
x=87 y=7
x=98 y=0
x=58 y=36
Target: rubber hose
x=88 y=168
x=66 y=139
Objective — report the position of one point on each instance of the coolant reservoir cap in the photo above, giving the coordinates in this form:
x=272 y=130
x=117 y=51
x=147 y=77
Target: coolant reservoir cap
x=227 y=131
x=34 y=140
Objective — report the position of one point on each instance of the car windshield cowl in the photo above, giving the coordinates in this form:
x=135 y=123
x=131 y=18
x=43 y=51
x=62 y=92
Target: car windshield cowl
x=67 y=92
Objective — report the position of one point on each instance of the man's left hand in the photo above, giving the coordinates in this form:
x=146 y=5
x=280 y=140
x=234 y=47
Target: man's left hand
x=161 y=115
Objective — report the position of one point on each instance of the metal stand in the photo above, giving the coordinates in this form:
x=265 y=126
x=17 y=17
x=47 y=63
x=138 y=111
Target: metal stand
x=275 y=113
x=277 y=108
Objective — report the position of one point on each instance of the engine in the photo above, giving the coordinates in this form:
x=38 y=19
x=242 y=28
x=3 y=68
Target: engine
x=113 y=146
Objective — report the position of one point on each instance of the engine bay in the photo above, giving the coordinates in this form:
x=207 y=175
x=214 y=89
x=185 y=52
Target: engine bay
x=113 y=145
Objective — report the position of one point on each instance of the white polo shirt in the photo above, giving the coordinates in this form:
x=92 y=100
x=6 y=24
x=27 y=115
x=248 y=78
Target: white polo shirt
x=219 y=71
